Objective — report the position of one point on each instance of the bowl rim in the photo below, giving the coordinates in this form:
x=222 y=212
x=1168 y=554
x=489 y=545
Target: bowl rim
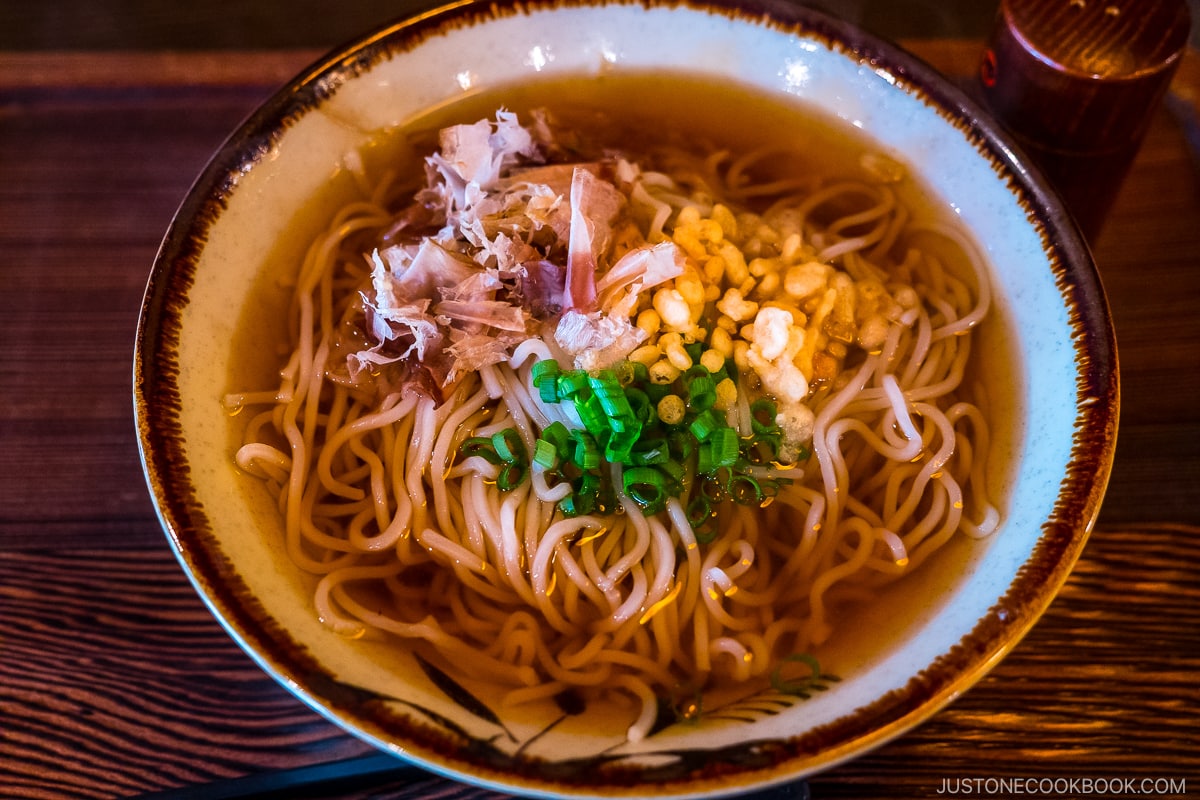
x=163 y=451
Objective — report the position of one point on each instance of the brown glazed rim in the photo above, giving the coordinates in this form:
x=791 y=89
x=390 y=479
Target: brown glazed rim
x=190 y=530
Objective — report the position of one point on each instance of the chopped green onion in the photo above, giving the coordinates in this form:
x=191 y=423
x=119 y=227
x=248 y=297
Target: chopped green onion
x=548 y=391
x=510 y=477
x=547 y=368
x=674 y=471
x=569 y=383
x=692 y=452
x=587 y=454
x=606 y=498
x=705 y=528
x=611 y=396
x=641 y=372
x=744 y=489
x=656 y=391
x=585 y=497
x=770 y=487
x=557 y=434
x=620 y=443
x=639 y=404
x=762 y=448
x=682 y=445
x=544 y=375
x=480 y=446
x=588 y=483
x=591 y=412
x=705 y=423
x=698 y=511
x=509 y=446
x=625 y=425
x=645 y=485
x=731 y=370
x=545 y=454
x=762 y=416
x=648 y=452
x=576 y=504
x=802 y=454
x=712 y=491
x=700 y=389
x=724 y=442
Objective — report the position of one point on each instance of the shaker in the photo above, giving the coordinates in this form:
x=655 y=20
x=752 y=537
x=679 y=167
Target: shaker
x=1077 y=82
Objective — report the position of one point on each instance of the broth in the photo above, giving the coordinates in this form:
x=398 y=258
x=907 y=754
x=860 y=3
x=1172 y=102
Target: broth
x=699 y=114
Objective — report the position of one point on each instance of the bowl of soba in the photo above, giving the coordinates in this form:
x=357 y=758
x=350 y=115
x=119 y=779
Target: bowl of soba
x=610 y=399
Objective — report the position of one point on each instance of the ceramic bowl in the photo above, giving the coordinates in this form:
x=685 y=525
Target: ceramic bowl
x=938 y=635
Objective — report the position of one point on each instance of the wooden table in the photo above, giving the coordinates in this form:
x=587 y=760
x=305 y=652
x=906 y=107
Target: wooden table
x=115 y=680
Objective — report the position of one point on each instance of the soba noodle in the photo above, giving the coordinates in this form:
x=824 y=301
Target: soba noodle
x=876 y=459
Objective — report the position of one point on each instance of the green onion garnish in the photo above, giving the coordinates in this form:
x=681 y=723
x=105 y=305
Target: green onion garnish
x=650 y=451
x=646 y=486
x=558 y=435
x=545 y=454
x=699 y=510
x=508 y=445
x=744 y=489
x=569 y=383
x=690 y=452
x=544 y=375
x=480 y=446
x=586 y=455
x=705 y=423
x=504 y=449
x=700 y=390
x=724 y=443
x=761 y=448
x=577 y=503
x=511 y=476
x=762 y=416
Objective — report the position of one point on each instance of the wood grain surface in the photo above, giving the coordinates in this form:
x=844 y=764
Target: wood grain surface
x=114 y=678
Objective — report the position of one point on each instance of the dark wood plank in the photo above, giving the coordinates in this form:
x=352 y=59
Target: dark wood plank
x=249 y=24
x=1149 y=260
x=89 y=180
x=114 y=678
x=45 y=69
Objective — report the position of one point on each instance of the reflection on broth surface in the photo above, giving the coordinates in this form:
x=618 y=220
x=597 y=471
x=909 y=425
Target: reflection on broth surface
x=638 y=387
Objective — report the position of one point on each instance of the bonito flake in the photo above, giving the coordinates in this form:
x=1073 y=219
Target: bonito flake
x=524 y=249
